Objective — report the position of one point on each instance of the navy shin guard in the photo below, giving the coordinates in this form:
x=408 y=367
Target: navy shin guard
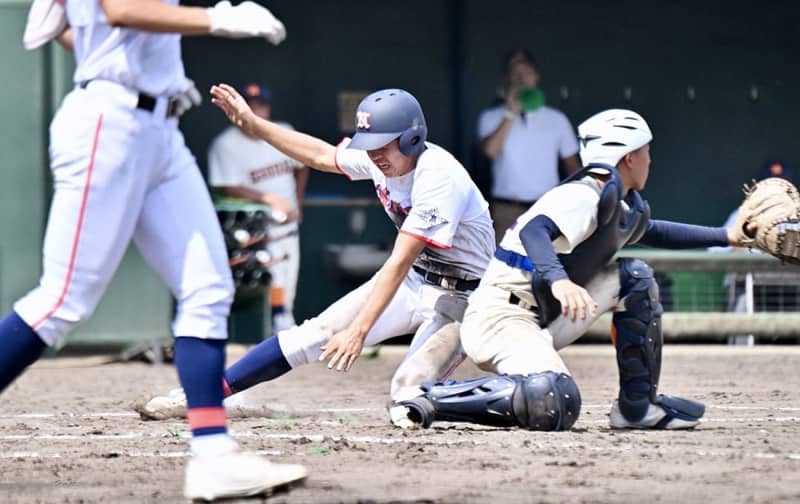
x=638 y=338
x=546 y=401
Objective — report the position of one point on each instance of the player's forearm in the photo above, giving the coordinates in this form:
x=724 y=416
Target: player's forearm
x=66 y=39
x=677 y=235
x=156 y=16
x=300 y=183
x=244 y=193
x=389 y=279
x=307 y=149
x=493 y=144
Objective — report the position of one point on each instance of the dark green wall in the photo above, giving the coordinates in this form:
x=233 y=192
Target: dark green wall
x=23 y=144
x=448 y=53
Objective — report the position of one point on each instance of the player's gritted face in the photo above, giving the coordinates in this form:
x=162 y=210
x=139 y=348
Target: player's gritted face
x=640 y=167
x=390 y=161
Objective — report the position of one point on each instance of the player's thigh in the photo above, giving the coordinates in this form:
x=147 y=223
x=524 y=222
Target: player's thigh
x=301 y=344
x=395 y=320
x=97 y=164
x=604 y=289
x=179 y=236
x=498 y=335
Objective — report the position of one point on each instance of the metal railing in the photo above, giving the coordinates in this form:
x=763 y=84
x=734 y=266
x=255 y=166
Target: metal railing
x=747 y=282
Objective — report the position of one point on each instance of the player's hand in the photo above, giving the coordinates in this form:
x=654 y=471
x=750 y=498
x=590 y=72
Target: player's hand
x=247 y=19
x=512 y=99
x=234 y=106
x=343 y=348
x=281 y=208
x=575 y=300
x=187 y=99
x=735 y=237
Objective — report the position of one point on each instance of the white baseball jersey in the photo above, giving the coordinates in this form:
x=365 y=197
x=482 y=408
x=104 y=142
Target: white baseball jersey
x=436 y=202
x=124 y=173
x=527 y=165
x=572 y=207
x=236 y=159
x=148 y=62
x=502 y=337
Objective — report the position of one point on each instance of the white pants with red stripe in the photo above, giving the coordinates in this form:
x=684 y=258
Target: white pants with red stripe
x=124 y=173
x=285 y=273
x=435 y=350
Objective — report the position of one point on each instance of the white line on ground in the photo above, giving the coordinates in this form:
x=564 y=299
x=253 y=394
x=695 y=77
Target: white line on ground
x=130 y=414
x=101 y=414
x=354 y=439
x=134 y=454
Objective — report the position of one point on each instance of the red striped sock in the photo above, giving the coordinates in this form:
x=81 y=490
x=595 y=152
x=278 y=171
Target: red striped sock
x=207 y=421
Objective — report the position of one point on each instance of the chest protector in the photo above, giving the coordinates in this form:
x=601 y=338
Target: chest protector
x=617 y=226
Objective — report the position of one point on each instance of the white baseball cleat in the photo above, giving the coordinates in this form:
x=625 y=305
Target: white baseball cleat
x=237 y=474
x=172 y=405
x=654 y=419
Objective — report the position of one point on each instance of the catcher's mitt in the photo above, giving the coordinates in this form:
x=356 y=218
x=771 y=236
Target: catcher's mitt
x=769 y=218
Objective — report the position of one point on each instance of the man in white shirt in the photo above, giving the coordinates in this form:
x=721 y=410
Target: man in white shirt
x=444 y=242
x=122 y=172
x=242 y=166
x=525 y=139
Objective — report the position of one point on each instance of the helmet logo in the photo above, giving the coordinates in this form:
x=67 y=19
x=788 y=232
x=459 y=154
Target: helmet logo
x=363 y=120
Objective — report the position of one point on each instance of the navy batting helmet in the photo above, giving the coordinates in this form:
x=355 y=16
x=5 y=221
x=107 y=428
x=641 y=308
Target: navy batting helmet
x=388 y=114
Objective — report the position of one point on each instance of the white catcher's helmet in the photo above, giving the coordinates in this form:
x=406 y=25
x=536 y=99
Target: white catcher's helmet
x=607 y=136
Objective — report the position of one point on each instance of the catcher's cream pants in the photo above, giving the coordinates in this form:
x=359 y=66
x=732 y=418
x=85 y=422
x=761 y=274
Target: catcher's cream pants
x=124 y=173
x=435 y=350
x=504 y=338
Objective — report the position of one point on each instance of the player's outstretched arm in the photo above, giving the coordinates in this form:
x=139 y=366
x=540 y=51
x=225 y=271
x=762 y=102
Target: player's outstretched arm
x=309 y=150
x=246 y=19
x=345 y=346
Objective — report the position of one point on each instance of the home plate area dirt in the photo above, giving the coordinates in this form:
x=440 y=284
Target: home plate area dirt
x=68 y=433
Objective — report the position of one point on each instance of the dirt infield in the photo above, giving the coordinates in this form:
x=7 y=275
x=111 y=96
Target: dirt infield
x=67 y=434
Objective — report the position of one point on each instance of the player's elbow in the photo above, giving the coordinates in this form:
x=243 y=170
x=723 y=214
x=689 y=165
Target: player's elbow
x=324 y=161
x=488 y=149
x=119 y=12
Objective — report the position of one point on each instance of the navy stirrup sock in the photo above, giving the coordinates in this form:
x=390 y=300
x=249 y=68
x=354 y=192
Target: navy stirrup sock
x=264 y=362
x=200 y=363
x=21 y=347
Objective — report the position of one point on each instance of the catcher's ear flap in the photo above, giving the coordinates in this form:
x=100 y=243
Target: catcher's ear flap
x=610 y=197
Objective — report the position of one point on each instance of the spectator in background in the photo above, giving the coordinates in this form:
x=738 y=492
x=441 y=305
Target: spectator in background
x=525 y=139
x=246 y=167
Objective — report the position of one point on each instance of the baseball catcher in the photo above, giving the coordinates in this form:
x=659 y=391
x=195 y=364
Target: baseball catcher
x=769 y=218
x=552 y=275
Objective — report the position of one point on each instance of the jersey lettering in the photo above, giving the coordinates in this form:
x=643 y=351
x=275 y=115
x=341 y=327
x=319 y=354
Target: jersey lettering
x=273 y=170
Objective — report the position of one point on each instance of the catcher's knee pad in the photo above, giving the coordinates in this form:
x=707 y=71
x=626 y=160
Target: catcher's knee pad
x=638 y=339
x=546 y=401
